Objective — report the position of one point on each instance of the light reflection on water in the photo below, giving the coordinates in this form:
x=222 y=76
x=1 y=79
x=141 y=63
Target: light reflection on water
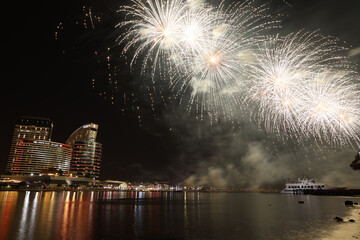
x=167 y=215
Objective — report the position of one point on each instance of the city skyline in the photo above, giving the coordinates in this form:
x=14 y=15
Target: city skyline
x=51 y=76
x=33 y=152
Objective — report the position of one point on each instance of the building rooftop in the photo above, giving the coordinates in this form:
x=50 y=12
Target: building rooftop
x=34 y=121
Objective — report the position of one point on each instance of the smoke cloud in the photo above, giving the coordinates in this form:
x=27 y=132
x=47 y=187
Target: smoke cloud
x=255 y=169
x=240 y=155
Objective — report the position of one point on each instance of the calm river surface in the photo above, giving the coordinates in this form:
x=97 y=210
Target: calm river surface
x=168 y=215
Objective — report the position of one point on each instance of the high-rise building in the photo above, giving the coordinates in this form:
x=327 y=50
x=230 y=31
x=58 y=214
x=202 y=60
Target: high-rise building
x=28 y=128
x=34 y=156
x=87 y=132
x=86 y=152
x=86 y=159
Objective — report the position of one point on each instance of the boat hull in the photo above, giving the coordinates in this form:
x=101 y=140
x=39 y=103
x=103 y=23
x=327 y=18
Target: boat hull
x=327 y=192
x=334 y=192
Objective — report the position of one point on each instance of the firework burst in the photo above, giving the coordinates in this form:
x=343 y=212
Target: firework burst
x=152 y=30
x=295 y=95
x=217 y=59
x=214 y=70
x=329 y=107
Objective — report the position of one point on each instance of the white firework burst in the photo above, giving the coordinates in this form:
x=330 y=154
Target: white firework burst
x=329 y=108
x=215 y=70
x=152 y=31
x=284 y=87
x=217 y=58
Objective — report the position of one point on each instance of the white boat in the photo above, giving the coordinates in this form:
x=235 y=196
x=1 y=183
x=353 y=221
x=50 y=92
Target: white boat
x=305 y=186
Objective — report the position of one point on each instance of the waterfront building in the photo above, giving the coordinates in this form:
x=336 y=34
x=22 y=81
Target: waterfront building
x=86 y=159
x=33 y=156
x=43 y=181
x=86 y=152
x=28 y=128
x=87 y=132
x=114 y=184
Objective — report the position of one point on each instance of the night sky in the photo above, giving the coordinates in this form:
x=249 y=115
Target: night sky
x=60 y=77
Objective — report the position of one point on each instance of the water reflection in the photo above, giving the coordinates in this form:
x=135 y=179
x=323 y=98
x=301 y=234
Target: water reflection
x=167 y=215
x=7 y=202
x=23 y=218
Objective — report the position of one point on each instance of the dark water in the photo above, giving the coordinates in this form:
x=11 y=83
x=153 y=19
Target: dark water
x=177 y=215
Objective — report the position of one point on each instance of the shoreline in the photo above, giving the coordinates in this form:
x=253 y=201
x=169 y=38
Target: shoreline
x=346 y=230
x=189 y=191
x=117 y=190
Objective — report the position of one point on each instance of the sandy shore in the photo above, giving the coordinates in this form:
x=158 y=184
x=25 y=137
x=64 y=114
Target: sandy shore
x=346 y=230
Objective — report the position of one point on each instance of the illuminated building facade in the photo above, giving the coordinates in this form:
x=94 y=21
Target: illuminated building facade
x=86 y=159
x=28 y=128
x=33 y=156
x=86 y=152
